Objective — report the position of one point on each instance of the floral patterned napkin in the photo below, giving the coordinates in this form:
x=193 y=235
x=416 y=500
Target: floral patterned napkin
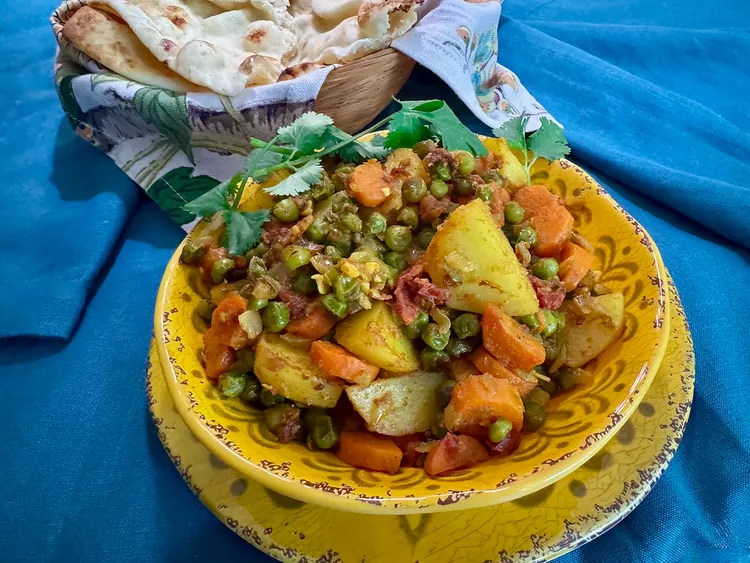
x=178 y=146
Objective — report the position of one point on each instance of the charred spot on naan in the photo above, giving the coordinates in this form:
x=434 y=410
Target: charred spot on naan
x=176 y=15
x=378 y=18
x=295 y=71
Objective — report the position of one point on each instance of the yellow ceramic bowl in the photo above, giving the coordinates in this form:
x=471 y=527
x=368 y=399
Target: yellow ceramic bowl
x=578 y=425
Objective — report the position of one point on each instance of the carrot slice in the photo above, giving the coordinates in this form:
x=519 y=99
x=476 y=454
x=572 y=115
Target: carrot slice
x=316 y=323
x=576 y=262
x=224 y=336
x=508 y=341
x=482 y=399
x=553 y=226
x=370 y=451
x=338 y=363
x=370 y=184
x=534 y=199
x=455 y=452
x=463 y=368
x=485 y=363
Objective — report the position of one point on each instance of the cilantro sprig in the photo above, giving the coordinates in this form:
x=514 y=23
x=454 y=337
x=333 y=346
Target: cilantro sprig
x=299 y=147
x=546 y=142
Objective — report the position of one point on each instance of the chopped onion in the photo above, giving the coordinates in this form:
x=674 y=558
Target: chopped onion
x=251 y=323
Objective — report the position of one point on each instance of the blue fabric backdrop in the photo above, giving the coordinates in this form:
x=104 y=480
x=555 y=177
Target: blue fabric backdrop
x=653 y=99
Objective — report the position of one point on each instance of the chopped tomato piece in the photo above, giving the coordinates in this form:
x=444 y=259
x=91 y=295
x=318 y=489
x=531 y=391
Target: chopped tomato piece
x=455 y=452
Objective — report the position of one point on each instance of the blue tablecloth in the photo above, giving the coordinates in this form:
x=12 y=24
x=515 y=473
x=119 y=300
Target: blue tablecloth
x=653 y=98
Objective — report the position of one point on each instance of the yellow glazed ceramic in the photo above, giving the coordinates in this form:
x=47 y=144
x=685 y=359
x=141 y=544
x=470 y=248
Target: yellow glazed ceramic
x=538 y=527
x=577 y=427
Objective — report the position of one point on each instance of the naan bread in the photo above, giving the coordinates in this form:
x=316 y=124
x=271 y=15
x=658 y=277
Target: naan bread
x=225 y=52
x=115 y=46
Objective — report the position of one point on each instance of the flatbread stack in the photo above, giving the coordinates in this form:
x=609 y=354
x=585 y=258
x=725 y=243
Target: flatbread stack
x=224 y=46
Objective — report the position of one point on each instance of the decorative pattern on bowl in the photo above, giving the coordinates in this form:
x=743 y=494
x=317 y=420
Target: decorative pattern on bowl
x=578 y=425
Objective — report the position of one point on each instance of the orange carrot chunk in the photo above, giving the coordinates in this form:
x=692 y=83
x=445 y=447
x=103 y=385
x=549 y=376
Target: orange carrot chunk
x=576 y=262
x=370 y=184
x=508 y=341
x=463 y=368
x=316 y=323
x=455 y=452
x=370 y=451
x=534 y=199
x=336 y=362
x=553 y=226
x=485 y=363
x=481 y=400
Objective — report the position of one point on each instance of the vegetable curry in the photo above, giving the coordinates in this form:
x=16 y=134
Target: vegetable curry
x=416 y=307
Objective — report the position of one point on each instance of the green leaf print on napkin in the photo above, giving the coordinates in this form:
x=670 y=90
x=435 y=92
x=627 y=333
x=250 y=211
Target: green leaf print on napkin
x=68 y=100
x=167 y=111
x=178 y=187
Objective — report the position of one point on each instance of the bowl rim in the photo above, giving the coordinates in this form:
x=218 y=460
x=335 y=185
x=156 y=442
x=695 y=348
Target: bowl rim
x=457 y=500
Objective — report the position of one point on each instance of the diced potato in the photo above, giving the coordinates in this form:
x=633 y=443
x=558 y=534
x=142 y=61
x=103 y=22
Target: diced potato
x=290 y=372
x=585 y=337
x=400 y=405
x=511 y=169
x=406 y=160
x=375 y=336
x=469 y=245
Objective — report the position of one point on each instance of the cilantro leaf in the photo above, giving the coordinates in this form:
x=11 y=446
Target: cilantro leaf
x=548 y=141
x=300 y=181
x=258 y=159
x=304 y=133
x=209 y=203
x=244 y=229
x=441 y=122
x=514 y=130
x=355 y=151
x=405 y=130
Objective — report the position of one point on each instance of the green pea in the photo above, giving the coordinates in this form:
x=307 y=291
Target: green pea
x=409 y=217
x=493 y=176
x=286 y=210
x=341 y=240
x=258 y=251
x=465 y=163
x=466 y=325
x=256 y=267
x=246 y=357
x=545 y=268
x=269 y=399
x=334 y=305
x=464 y=186
x=191 y=252
x=232 y=383
x=304 y=284
x=376 y=224
x=531 y=321
x=276 y=316
x=439 y=189
x=296 y=257
x=435 y=360
x=457 y=348
x=251 y=392
x=424 y=147
x=333 y=252
x=323 y=189
x=499 y=430
x=317 y=230
x=311 y=415
x=325 y=433
x=347 y=289
x=341 y=176
x=256 y=304
x=351 y=222
x=438 y=429
x=441 y=171
x=445 y=392
x=567 y=379
x=533 y=416
x=414 y=189
x=537 y=395
x=395 y=260
x=560 y=317
x=372 y=245
x=424 y=238
x=549 y=386
x=527 y=234
x=484 y=193
x=434 y=337
x=398 y=238
x=205 y=309
x=513 y=212
x=220 y=269
x=419 y=323
x=550 y=323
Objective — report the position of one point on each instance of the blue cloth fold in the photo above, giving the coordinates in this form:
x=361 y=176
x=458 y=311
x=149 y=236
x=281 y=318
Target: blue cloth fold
x=653 y=104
